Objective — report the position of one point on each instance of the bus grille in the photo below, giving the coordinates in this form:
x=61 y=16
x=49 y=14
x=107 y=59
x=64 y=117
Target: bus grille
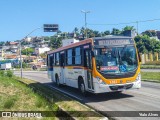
x=116 y=87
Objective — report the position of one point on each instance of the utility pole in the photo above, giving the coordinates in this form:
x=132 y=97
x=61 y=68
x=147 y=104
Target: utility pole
x=85 y=18
x=137 y=27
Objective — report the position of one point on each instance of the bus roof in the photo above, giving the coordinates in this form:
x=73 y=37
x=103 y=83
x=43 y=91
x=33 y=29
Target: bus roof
x=89 y=40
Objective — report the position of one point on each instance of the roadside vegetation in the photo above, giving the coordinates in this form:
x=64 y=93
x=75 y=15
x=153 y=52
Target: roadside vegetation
x=152 y=66
x=18 y=94
x=148 y=76
x=15 y=96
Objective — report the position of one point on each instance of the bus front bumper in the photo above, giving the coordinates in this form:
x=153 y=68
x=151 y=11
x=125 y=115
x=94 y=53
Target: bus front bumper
x=101 y=88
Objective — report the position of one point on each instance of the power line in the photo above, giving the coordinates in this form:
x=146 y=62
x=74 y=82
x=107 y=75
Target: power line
x=140 y=21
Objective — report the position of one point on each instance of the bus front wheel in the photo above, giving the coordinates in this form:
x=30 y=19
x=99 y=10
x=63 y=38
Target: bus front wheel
x=82 y=88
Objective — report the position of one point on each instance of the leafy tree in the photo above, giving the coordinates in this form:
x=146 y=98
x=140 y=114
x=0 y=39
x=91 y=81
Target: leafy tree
x=145 y=44
x=55 y=42
x=82 y=31
x=150 y=33
x=115 y=31
x=27 y=51
x=107 y=32
x=43 y=55
x=128 y=28
x=2 y=43
x=7 y=43
x=46 y=38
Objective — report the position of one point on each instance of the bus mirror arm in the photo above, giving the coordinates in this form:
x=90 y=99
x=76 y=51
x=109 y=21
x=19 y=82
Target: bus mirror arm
x=92 y=54
x=139 y=57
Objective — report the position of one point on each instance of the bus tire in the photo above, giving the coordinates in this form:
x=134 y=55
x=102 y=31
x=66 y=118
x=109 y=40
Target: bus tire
x=57 y=81
x=81 y=87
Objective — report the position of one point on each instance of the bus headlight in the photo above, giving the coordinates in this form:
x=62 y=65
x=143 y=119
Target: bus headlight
x=138 y=77
x=100 y=81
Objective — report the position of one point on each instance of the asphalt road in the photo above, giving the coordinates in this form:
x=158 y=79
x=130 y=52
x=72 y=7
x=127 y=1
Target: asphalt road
x=145 y=99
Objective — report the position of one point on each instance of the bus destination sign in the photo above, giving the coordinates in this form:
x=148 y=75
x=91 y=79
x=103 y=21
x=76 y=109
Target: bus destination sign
x=114 y=42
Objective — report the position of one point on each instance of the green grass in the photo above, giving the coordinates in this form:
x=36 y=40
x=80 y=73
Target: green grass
x=150 y=66
x=9 y=103
x=151 y=76
x=15 y=96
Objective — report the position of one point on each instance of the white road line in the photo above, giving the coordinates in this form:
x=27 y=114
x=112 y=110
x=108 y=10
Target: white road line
x=65 y=92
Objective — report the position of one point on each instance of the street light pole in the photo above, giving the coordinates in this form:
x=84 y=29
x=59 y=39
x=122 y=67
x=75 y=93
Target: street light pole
x=137 y=27
x=85 y=18
x=20 y=46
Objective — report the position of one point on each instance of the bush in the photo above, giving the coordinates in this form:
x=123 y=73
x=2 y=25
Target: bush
x=9 y=73
x=10 y=102
x=1 y=72
x=152 y=63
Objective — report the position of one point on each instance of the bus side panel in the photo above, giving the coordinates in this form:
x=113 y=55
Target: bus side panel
x=49 y=73
x=72 y=74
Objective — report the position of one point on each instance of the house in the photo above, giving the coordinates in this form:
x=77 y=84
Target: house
x=39 y=50
x=13 y=47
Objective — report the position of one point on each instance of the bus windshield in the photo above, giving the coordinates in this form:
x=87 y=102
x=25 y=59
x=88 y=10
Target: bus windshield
x=116 y=59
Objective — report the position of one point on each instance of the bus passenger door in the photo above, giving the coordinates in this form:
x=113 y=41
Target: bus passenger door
x=62 y=65
x=50 y=66
x=88 y=64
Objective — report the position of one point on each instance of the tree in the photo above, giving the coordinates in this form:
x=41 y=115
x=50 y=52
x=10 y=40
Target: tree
x=128 y=28
x=27 y=51
x=115 y=31
x=43 y=55
x=82 y=32
x=145 y=44
x=2 y=43
x=76 y=31
x=7 y=43
x=55 y=42
x=150 y=33
x=46 y=38
x=107 y=32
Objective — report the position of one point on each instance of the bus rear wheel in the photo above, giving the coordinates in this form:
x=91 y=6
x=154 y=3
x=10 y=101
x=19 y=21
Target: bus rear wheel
x=57 y=81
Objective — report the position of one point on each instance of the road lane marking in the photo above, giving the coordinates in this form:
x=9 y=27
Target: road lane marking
x=73 y=96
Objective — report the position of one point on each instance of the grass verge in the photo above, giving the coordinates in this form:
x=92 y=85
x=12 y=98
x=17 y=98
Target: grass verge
x=15 y=96
x=71 y=106
x=151 y=76
x=150 y=66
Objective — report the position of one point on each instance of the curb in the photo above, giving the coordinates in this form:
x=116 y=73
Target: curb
x=148 y=80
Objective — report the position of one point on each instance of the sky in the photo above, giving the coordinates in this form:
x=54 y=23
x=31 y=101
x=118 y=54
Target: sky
x=20 y=17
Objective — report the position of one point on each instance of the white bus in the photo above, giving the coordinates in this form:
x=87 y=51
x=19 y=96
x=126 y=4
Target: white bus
x=96 y=65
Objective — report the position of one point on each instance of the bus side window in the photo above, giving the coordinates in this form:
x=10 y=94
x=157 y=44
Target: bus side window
x=57 y=59
x=73 y=56
x=85 y=59
x=50 y=61
x=53 y=60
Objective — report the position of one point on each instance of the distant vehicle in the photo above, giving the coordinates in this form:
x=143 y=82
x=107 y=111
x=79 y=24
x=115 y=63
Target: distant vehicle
x=34 y=67
x=6 y=66
x=97 y=65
